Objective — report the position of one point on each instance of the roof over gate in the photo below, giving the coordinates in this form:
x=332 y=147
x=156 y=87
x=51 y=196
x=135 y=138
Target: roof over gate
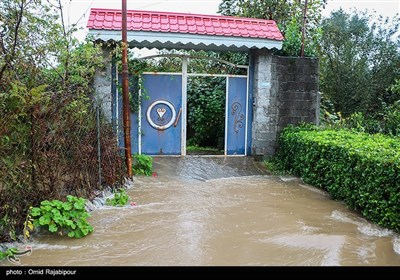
x=148 y=29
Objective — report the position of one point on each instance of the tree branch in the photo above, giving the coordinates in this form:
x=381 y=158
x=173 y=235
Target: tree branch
x=11 y=53
x=66 y=35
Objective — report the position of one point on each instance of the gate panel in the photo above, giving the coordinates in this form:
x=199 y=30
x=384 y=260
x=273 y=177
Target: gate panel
x=236 y=115
x=161 y=117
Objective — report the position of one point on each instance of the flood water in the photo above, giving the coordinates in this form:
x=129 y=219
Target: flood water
x=221 y=211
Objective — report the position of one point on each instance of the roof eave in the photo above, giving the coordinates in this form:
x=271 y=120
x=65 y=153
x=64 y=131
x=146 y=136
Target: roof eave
x=173 y=40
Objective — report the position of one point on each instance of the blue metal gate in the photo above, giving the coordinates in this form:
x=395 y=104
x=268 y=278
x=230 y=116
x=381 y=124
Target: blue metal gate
x=161 y=110
x=236 y=116
x=159 y=126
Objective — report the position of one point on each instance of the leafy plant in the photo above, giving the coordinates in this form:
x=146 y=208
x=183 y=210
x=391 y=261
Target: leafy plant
x=63 y=217
x=120 y=198
x=9 y=252
x=142 y=165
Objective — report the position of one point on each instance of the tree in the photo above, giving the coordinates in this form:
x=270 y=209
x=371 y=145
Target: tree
x=28 y=30
x=359 y=62
x=48 y=122
x=289 y=17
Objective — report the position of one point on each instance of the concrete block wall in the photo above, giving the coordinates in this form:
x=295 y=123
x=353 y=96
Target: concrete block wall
x=298 y=91
x=285 y=91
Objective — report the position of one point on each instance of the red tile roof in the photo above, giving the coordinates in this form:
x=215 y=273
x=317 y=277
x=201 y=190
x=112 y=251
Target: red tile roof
x=111 y=19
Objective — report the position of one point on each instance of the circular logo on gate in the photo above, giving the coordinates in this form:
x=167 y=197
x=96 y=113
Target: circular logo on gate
x=161 y=114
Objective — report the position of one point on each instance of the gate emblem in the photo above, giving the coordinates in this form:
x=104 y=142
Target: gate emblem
x=161 y=114
x=239 y=117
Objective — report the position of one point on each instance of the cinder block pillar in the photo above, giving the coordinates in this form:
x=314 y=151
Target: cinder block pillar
x=265 y=113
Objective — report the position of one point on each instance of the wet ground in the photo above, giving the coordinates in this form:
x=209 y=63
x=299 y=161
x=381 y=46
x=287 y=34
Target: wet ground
x=222 y=211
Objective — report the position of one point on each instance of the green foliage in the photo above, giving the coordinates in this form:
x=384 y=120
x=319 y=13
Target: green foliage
x=396 y=87
x=275 y=166
x=198 y=150
x=387 y=122
x=206 y=110
x=120 y=198
x=48 y=129
x=292 y=43
x=136 y=66
x=193 y=148
x=76 y=67
x=361 y=169
x=25 y=29
x=391 y=119
x=289 y=17
x=142 y=165
x=198 y=62
x=63 y=217
x=359 y=62
x=213 y=65
x=8 y=252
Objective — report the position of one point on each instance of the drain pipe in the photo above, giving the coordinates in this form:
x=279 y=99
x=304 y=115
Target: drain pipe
x=125 y=93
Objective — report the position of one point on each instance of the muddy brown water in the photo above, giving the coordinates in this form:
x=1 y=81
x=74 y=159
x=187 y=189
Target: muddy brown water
x=221 y=211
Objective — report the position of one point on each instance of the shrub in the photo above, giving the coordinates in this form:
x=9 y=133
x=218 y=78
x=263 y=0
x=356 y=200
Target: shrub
x=359 y=168
x=63 y=217
x=143 y=165
x=49 y=124
x=387 y=122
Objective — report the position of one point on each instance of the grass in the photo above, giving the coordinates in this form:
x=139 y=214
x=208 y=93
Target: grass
x=196 y=148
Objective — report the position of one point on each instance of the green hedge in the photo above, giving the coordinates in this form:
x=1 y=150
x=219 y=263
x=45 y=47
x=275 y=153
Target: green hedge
x=361 y=169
